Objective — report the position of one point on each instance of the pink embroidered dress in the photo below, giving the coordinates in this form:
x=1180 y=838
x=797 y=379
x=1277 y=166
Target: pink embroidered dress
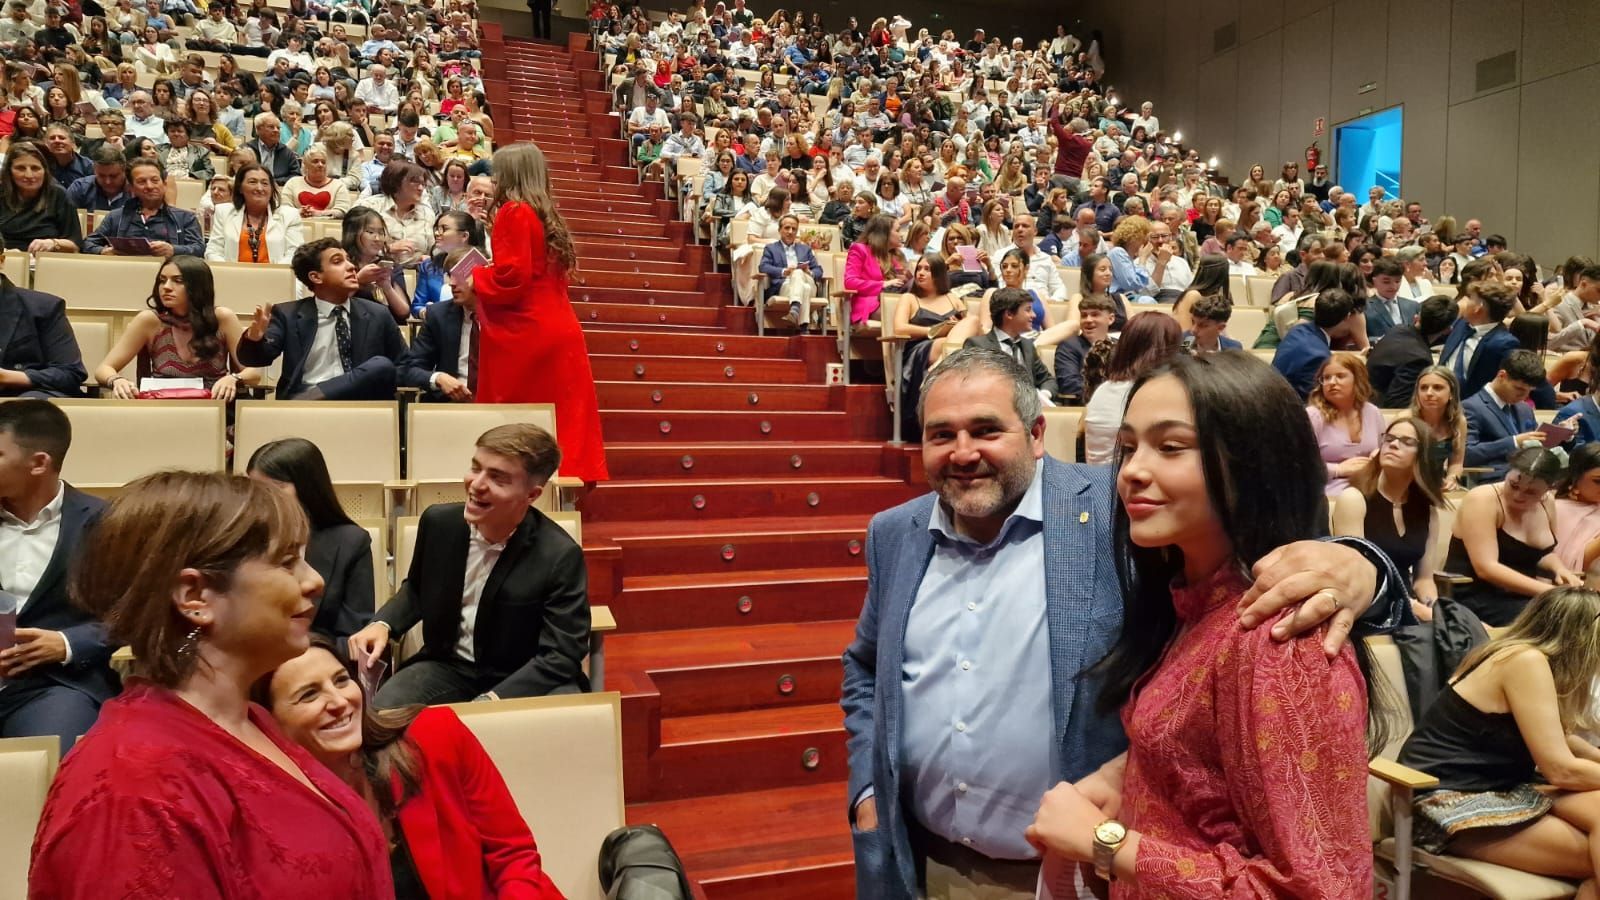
x=1247 y=762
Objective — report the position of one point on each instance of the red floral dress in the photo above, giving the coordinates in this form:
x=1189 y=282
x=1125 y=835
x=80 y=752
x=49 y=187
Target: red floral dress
x=1247 y=761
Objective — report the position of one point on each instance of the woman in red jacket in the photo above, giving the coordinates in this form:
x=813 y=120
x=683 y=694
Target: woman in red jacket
x=531 y=347
x=442 y=802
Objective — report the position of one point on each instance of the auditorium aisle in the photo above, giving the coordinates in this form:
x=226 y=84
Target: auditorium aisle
x=729 y=544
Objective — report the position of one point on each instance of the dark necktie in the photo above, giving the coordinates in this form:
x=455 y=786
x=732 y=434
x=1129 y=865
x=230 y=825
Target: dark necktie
x=1016 y=349
x=472 y=353
x=341 y=338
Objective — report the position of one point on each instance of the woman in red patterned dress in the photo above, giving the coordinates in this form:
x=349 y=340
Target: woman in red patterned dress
x=531 y=347
x=1246 y=766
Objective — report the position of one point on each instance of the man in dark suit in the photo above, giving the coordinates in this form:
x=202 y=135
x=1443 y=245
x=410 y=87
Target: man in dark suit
x=1308 y=345
x=1397 y=360
x=1479 y=341
x=1011 y=310
x=270 y=150
x=39 y=357
x=785 y=256
x=500 y=589
x=1498 y=418
x=1386 y=309
x=442 y=358
x=58 y=672
x=335 y=345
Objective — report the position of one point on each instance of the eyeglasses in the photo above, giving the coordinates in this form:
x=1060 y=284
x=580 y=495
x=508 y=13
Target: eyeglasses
x=1409 y=443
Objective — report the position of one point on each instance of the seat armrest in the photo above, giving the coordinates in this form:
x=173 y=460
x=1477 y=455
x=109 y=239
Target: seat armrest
x=1393 y=773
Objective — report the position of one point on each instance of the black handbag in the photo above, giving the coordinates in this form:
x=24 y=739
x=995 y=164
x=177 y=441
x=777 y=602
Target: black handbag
x=637 y=862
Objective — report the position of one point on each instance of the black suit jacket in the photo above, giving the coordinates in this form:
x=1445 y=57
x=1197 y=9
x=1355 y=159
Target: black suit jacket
x=1030 y=358
x=285 y=165
x=1395 y=363
x=89 y=670
x=294 y=327
x=436 y=347
x=532 y=629
x=36 y=340
x=342 y=555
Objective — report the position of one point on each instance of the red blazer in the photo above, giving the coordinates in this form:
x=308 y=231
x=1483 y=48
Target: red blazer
x=462 y=814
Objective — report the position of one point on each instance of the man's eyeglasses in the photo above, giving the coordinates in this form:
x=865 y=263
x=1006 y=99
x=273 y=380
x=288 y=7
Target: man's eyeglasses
x=1400 y=440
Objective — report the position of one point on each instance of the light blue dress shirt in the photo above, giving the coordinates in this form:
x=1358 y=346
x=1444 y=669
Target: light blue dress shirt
x=1126 y=277
x=976 y=685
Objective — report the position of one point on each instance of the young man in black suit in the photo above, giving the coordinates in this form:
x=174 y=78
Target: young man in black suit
x=53 y=680
x=442 y=360
x=501 y=590
x=335 y=345
x=39 y=356
x=1011 y=310
x=1398 y=358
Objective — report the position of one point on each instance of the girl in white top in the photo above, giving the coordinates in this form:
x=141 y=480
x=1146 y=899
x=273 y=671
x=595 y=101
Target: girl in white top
x=1149 y=339
x=763 y=229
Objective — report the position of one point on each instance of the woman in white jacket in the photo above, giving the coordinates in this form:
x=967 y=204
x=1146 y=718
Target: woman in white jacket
x=255 y=228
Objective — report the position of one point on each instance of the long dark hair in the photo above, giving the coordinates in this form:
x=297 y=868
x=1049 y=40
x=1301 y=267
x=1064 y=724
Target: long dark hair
x=201 y=290
x=1265 y=493
x=386 y=753
x=1211 y=277
x=297 y=461
x=350 y=232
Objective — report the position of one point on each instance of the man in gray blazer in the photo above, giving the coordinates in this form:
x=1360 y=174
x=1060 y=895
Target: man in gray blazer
x=987 y=599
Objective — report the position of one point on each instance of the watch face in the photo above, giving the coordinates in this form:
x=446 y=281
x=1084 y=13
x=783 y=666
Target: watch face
x=1110 y=832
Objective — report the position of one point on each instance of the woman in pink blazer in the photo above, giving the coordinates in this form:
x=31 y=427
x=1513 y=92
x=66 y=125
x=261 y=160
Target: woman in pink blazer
x=874 y=266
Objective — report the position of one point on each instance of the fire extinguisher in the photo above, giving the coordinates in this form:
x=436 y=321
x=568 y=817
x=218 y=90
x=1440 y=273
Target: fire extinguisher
x=1313 y=156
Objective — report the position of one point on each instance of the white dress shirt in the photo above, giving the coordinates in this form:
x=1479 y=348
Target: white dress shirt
x=1175 y=277
x=481 y=558
x=26 y=549
x=322 y=361
x=378 y=96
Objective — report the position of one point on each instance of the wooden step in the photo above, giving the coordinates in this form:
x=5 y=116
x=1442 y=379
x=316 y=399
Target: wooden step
x=658 y=250
x=752 y=749
x=802 y=498
x=667 y=344
x=638 y=268
x=748 y=545
x=733 y=459
x=736 y=599
x=715 y=370
x=657 y=395
x=783 y=844
x=584 y=223
x=603 y=310
x=767 y=427
x=648 y=280
x=714 y=293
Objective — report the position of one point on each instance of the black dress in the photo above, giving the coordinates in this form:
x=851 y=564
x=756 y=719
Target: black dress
x=21 y=226
x=914 y=367
x=1494 y=605
x=1405 y=550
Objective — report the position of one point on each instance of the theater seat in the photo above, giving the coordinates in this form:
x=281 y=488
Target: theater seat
x=1390 y=789
x=561 y=758
x=117 y=441
x=96 y=282
x=243 y=286
x=1246 y=324
x=382 y=584
x=27 y=766
x=359 y=439
x=441 y=438
x=16 y=268
x=1061 y=427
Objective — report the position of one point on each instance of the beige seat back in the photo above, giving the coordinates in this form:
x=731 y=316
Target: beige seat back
x=1246 y=324
x=16 y=269
x=359 y=439
x=190 y=190
x=571 y=522
x=1061 y=426
x=561 y=757
x=27 y=766
x=405 y=544
x=441 y=438
x=117 y=441
x=1258 y=291
x=243 y=286
x=94 y=341
x=96 y=282
x=1385 y=656
x=378 y=531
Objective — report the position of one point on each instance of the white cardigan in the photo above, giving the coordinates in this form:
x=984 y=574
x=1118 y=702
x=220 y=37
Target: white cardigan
x=283 y=237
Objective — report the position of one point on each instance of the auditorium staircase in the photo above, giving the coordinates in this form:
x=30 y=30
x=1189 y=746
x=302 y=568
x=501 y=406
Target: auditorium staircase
x=729 y=543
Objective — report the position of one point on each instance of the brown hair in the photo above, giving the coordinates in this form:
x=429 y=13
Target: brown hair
x=532 y=445
x=386 y=753
x=521 y=174
x=195 y=520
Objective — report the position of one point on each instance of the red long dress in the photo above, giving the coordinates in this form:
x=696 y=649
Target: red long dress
x=530 y=345
x=157 y=801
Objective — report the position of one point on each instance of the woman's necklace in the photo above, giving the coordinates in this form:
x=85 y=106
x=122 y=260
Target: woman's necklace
x=252 y=236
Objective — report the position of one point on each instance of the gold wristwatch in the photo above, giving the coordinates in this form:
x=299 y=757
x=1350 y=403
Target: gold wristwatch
x=1108 y=838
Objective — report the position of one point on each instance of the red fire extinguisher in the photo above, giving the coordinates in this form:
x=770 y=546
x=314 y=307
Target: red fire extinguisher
x=1313 y=156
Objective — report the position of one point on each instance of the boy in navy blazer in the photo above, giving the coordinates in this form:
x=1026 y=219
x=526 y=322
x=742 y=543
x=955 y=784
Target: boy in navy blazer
x=335 y=345
x=1479 y=341
x=1211 y=315
x=1308 y=345
x=1499 y=419
x=1386 y=309
x=787 y=255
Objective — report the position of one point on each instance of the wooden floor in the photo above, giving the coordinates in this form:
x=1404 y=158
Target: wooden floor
x=729 y=544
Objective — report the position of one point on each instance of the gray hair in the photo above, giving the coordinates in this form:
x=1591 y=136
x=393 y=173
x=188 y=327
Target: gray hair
x=1078 y=125
x=1166 y=209
x=970 y=361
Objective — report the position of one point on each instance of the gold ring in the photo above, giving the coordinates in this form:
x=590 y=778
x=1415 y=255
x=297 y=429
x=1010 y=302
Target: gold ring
x=1332 y=596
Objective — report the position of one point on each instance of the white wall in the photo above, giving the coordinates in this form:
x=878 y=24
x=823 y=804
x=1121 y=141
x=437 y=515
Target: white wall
x=1523 y=157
